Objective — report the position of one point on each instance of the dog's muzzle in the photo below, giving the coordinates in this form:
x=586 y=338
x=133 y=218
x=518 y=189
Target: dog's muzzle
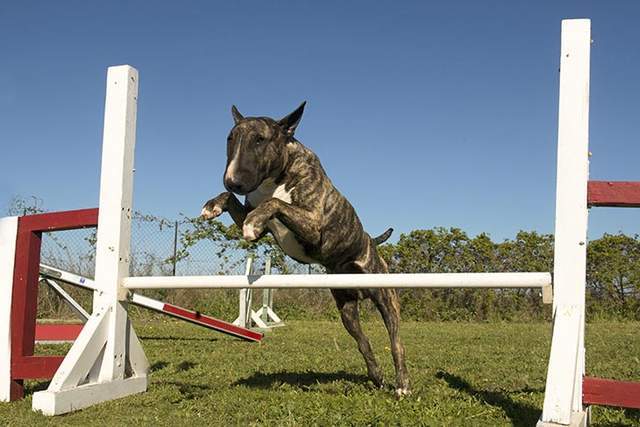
x=235 y=187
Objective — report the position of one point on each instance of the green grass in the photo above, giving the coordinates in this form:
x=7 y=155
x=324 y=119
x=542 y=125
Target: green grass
x=310 y=373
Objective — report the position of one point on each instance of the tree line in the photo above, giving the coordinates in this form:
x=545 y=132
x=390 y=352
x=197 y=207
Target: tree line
x=612 y=277
x=612 y=282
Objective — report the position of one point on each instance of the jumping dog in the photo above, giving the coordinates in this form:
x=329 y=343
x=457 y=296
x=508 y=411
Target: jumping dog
x=288 y=194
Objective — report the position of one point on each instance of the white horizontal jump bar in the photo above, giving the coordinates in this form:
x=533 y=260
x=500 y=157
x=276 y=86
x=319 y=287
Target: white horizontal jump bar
x=345 y=281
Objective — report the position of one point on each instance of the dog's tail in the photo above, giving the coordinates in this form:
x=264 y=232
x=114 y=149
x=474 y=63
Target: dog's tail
x=383 y=237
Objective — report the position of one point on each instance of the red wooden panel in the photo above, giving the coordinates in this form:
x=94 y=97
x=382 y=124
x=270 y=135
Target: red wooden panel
x=624 y=194
x=59 y=221
x=58 y=332
x=16 y=391
x=24 y=303
x=599 y=391
x=210 y=322
x=25 y=293
x=35 y=367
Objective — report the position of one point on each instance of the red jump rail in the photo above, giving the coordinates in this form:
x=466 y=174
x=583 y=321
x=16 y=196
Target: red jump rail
x=211 y=323
x=621 y=194
x=55 y=333
x=600 y=391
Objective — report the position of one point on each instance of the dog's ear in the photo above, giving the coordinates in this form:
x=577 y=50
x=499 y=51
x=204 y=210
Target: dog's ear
x=236 y=114
x=290 y=122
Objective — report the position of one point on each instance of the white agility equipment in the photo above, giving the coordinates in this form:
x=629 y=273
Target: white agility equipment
x=264 y=318
x=245 y=300
x=563 y=392
x=107 y=360
x=8 y=237
x=568 y=392
x=68 y=299
x=347 y=281
x=266 y=313
x=52 y=275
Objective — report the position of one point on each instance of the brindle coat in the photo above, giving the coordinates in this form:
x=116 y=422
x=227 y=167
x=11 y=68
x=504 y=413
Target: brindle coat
x=289 y=194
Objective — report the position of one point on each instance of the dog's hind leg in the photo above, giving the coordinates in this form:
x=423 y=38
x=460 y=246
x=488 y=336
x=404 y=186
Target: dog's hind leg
x=347 y=302
x=386 y=300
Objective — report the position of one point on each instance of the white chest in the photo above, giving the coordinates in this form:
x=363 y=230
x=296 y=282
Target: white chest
x=285 y=237
x=267 y=190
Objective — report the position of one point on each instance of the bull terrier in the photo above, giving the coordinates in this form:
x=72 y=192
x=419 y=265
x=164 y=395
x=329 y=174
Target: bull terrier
x=288 y=194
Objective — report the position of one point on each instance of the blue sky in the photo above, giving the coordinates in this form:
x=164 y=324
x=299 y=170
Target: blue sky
x=423 y=113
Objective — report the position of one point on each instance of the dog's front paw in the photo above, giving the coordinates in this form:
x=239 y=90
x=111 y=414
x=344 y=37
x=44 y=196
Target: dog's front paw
x=255 y=223
x=211 y=212
x=250 y=232
x=214 y=207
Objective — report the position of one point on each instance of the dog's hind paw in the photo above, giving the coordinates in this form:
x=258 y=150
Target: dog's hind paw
x=402 y=391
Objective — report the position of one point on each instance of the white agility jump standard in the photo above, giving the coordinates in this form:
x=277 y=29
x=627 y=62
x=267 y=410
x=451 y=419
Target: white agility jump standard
x=107 y=360
x=265 y=317
x=266 y=314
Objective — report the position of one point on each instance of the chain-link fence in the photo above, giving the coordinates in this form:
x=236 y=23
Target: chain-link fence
x=72 y=250
x=197 y=247
x=159 y=247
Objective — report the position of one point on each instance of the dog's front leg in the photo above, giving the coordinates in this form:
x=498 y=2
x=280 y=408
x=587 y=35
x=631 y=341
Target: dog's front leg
x=225 y=202
x=303 y=223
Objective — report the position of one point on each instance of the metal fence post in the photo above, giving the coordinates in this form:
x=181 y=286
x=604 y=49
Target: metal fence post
x=175 y=247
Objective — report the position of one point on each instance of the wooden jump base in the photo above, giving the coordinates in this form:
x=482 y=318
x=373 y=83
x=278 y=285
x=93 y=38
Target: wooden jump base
x=20 y=241
x=94 y=369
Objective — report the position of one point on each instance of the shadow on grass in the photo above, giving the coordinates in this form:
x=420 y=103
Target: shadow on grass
x=185 y=366
x=31 y=387
x=520 y=414
x=632 y=415
x=175 y=338
x=158 y=366
x=303 y=380
x=187 y=391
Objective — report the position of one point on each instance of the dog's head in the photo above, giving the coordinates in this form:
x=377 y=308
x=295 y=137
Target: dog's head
x=256 y=149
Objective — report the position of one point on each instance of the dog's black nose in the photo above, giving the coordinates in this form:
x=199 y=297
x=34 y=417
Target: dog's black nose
x=233 y=186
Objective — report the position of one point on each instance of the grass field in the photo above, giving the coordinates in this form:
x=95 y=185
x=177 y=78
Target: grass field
x=310 y=373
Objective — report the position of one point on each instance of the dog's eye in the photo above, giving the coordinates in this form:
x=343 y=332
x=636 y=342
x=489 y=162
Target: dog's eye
x=259 y=139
